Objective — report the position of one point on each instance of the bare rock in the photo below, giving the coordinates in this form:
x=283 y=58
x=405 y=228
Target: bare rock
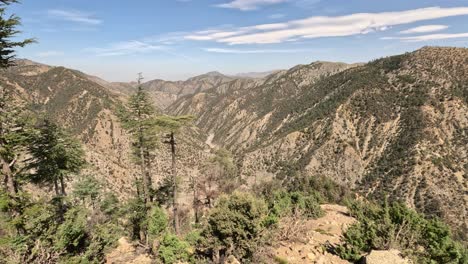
x=126 y=253
x=385 y=257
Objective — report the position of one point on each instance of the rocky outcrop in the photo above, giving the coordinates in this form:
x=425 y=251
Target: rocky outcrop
x=127 y=253
x=385 y=257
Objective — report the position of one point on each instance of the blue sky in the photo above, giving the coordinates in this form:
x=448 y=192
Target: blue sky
x=176 y=39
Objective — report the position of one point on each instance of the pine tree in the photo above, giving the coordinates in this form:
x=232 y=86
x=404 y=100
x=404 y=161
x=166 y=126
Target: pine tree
x=9 y=136
x=55 y=157
x=8 y=30
x=173 y=124
x=138 y=119
x=13 y=137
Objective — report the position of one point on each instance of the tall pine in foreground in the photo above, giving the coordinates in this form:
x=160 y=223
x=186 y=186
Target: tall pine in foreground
x=56 y=156
x=172 y=125
x=138 y=119
x=10 y=136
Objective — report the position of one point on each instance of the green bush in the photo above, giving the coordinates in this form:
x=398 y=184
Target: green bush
x=235 y=226
x=397 y=226
x=103 y=236
x=173 y=250
x=71 y=235
x=284 y=203
x=109 y=204
x=157 y=222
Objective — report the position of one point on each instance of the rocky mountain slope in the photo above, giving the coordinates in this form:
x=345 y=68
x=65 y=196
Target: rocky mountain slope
x=87 y=106
x=395 y=126
x=164 y=93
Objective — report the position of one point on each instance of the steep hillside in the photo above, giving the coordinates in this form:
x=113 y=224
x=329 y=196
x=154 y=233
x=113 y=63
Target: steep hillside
x=164 y=93
x=86 y=106
x=395 y=126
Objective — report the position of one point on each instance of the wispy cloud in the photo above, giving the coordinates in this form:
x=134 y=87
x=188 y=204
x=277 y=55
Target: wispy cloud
x=74 y=16
x=324 y=26
x=247 y=5
x=276 y=16
x=50 y=53
x=424 y=29
x=125 y=48
x=428 y=37
x=255 y=51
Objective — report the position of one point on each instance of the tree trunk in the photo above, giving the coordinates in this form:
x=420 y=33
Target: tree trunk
x=196 y=202
x=149 y=179
x=143 y=168
x=10 y=182
x=175 y=204
x=62 y=185
x=56 y=187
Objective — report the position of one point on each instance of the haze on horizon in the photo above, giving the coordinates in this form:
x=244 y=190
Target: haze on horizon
x=177 y=39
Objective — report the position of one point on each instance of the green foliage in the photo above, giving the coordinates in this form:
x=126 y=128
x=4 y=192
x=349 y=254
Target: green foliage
x=109 y=204
x=172 y=123
x=396 y=226
x=234 y=226
x=135 y=213
x=55 y=155
x=72 y=235
x=103 y=236
x=8 y=30
x=87 y=188
x=324 y=188
x=173 y=250
x=157 y=222
x=287 y=203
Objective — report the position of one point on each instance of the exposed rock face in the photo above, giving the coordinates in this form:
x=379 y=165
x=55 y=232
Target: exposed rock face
x=126 y=253
x=87 y=107
x=395 y=126
x=385 y=257
x=318 y=234
x=164 y=93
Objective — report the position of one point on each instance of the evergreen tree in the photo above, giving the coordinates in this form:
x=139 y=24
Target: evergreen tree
x=138 y=119
x=9 y=136
x=173 y=124
x=8 y=30
x=55 y=156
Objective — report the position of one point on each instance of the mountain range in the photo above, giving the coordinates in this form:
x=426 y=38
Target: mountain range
x=394 y=127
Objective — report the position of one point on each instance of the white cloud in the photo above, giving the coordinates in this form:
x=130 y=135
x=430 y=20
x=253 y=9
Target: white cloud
x=74 y=16
x=125 y=48
x=324 y=26
x=256 y=51
x=246 y=5
x=49 y=53
x=428 y=37
x=424 y=29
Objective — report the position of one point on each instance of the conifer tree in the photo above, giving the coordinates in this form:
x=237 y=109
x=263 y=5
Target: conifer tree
x=9 y=136
x=55 y=157
x=8 y=30
x=172 y=124
x=138 y=119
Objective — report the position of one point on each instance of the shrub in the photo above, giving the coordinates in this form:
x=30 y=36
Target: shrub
x=157 y=222
x=283 y=204
x=173 y=250
x=234 y=227
x=109 y=204
x=71 y=235
x=397 y=226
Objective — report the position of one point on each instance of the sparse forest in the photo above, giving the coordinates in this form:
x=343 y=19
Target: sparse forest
x=55 y=208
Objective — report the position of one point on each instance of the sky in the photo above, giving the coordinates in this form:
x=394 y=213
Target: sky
x=177 y=39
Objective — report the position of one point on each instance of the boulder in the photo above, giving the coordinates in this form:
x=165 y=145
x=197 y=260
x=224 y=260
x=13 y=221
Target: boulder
x=385 y=257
